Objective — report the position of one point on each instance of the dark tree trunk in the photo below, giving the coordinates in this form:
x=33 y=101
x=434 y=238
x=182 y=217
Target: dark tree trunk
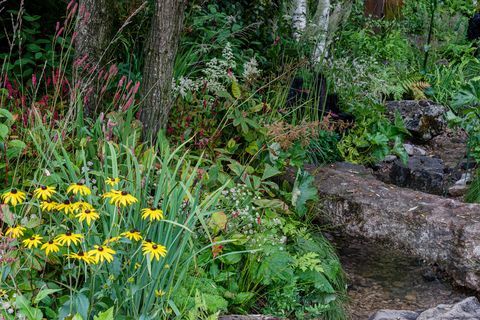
x=390 y=9
x=160 y=51
x=94 y=33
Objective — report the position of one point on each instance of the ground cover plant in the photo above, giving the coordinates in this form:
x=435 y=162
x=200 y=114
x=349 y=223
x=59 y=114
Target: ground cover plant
x=103 y=216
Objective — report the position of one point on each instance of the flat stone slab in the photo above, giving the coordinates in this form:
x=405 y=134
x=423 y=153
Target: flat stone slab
x=442 y=231
x=468 y=309
x=248 y=317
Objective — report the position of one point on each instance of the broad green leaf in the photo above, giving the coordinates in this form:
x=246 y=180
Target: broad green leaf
x=106 y=315
x=3 y=132
x=44 y=293
x=270 y=172
x=236 y=92
x=30 y=312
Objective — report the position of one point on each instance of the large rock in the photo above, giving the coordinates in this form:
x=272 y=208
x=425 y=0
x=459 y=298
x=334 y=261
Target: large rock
x=394 y=315
x=423 y=119
x=445 y=232
x=468 y=309
x=419 y=173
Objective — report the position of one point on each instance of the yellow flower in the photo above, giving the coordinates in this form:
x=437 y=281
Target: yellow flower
x=82 y=205
x=102 y=253
x=89 y=215
x=14 y=197
x=83 y=256
x=159 y=293
x=44 y=192
x=152 y=214
x=15 y=232
x=51 y=246
x=153 y=250
x=112 y=181
x=67 y=207
x=79 y=188
x=111 y=240
x=49 y=206
x=133 y=235
x=69 y=238
x=33 y=241
x=120 y=198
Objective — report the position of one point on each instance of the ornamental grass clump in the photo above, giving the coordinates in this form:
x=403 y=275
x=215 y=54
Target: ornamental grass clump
x=115 y=234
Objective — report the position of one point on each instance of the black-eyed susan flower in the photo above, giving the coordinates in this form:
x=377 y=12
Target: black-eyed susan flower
x=112 y=181
x=82 y=256
x=102 y=253
x=14 y=197
x=44 y=192
x=133 y=235
x=82 y=205
x=15 y=232
x=50 y=246
x=79 y=188
x=153 y=250
x=152 y=214
x=48 y=206
x=68 y=238
x=33 y=241
x=120 y=198
x=111 y=240
x=66 y=207
x=88 y=215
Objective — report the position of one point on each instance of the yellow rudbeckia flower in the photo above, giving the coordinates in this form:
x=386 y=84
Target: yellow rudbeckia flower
x=82 y=256
x=33 y=241
x=15 y=232
x=89 y=215
x=14 y=197
x=79 y=188
x=133 y=235
x=44 y=192
x=102 y=253
x=153 y=250
x=49 y=206
x=50 y=246
x=120 y=198
x=152 y=214
x=112 y=181
x=67 y=207
x=69 y=238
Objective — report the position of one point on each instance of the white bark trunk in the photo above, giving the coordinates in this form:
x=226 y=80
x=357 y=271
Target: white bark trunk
x=322 y=21
x=299 y=18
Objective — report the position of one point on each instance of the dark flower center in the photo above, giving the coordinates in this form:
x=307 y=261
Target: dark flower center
x=153 y=209
x=154 y=246
x=124 y=193
x=50 y=242
x=32 y=238
x=81 y=254
x=43 y=187
x=79 y=184
x=100 y=249
x=14 y=191
x=68 y=233
x=148 y=240
x=66 y=202
x=87 y=211
x=132 y=231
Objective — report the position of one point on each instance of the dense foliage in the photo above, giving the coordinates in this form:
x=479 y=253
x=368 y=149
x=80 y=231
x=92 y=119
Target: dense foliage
x=97 y=224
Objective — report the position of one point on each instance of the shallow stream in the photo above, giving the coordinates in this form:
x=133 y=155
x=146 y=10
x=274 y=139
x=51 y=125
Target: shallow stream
x=380 y=277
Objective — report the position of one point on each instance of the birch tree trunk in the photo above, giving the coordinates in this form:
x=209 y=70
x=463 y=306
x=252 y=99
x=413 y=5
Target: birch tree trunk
x=322 y=22
x=299 y=18
x=160 y=51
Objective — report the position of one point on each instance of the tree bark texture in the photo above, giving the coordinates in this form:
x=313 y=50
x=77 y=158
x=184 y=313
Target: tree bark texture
x=94 y=33
x=322 y=21
x=299 y=18
x=160 y=52
x=378 y=9
x=95 y=29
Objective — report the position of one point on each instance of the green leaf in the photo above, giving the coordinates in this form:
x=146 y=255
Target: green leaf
x=3 y=132
x=4 y=112
x=30 y=312
x=106 y=315
x=236 y=92
x=15 y=148
x=44 y=293
x=303 y=191
x=270 y=172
